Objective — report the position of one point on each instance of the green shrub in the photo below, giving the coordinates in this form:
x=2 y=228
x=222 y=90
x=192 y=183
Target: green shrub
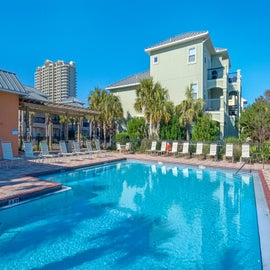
x=121 y=137
x=136 y=128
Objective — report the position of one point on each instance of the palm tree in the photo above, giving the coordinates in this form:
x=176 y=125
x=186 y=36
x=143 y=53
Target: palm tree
x=63 y=120
x=112 y=112
x=162 y=108
x=152 y=100
x=109 y=106
x=48 y=121
x=189 y=110
x=95 y=103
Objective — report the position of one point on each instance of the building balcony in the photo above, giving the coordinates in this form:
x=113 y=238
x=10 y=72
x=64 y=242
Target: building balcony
x=215 y=78
x=215 y=73
x=39 y=120
x=38 y=125
x=232 y=77
x=212 y=104
x=233 y=110
x=218 y=79
x=215 y=107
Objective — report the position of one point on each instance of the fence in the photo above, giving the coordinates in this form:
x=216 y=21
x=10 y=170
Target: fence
x=140 y=146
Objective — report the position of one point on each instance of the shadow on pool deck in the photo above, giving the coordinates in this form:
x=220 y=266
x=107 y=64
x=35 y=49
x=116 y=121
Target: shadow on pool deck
x=18 y=183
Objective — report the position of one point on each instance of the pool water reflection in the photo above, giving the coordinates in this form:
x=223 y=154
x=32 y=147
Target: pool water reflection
x=136 y=215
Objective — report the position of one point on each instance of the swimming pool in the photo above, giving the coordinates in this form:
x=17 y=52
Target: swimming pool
x=136 y=215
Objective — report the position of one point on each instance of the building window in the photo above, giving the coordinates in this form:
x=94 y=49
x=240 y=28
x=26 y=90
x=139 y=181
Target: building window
x=191 y=55
x=155 y=60
x=214 y=75
x=194 y=92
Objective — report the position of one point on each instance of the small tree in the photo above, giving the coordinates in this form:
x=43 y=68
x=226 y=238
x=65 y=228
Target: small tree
x=136 y=128
x=255 y=121
x=189 y=110
x=172 y=130
x=205 y=129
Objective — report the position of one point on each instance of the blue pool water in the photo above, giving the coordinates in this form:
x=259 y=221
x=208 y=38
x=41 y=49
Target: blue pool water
x=134 y=215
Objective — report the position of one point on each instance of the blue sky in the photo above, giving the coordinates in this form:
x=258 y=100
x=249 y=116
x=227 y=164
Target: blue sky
x=106 y=38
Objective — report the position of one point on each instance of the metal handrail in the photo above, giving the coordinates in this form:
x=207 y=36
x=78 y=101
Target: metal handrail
x=249 y=159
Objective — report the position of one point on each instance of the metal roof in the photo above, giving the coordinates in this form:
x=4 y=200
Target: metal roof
x=131 y=80
x=35 y=94
x=55 y=108
x=73 y=101
x=10 y=83
x=177 y=39
x=36 y=101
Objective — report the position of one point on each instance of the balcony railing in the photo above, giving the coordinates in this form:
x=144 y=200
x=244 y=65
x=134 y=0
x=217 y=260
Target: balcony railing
x=56 y=122
x=232 y=77
x=212 y=104
x=215 y=73
x=39 y=120
x=233 y=110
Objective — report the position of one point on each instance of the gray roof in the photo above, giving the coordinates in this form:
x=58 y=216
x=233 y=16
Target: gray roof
x=131 y=80
x=178 y=38
x=10 y=83
x=35 y=94
x=72 y=101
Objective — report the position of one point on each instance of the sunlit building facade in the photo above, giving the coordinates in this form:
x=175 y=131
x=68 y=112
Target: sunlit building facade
x=57 y=80
x=190 y=60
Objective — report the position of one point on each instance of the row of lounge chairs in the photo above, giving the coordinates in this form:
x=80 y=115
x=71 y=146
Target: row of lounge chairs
x=213 y=151
x=45 y=153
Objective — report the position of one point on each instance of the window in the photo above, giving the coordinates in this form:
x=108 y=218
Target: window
x=194 y=92
x=155 y=60
x=214 y=75
x=191 y=55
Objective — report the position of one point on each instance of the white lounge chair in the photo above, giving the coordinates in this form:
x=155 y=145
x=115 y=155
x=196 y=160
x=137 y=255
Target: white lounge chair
x=199 y=149
x=63 y=150
x=185 y=150
x=28 y=151
x=245 y=151
x=98 y=148
x=7 y=152
x=213 y=151
x=77 y=149
x=228 y=151
x=90 y=149
x=44 y=151
x=153 y=148
x=174 y=149
x=162 y=148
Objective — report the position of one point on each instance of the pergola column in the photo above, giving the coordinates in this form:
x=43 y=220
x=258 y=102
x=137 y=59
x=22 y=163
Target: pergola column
x=79 y=129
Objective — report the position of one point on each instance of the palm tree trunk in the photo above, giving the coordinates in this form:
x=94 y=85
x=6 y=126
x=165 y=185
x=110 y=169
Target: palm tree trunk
x=188 y=132
x=150 y=128
x=50 y=133
x=105 y=135
x=79 y=129
x=66 y=130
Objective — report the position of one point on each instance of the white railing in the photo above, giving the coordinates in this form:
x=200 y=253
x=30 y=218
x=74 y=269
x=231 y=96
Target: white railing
x=212 y=104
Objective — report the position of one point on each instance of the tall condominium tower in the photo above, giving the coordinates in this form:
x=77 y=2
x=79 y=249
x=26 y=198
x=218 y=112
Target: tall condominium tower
x=57 y=80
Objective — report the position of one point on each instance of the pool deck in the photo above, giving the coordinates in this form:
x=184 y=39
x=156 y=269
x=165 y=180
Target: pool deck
x=19 y=181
